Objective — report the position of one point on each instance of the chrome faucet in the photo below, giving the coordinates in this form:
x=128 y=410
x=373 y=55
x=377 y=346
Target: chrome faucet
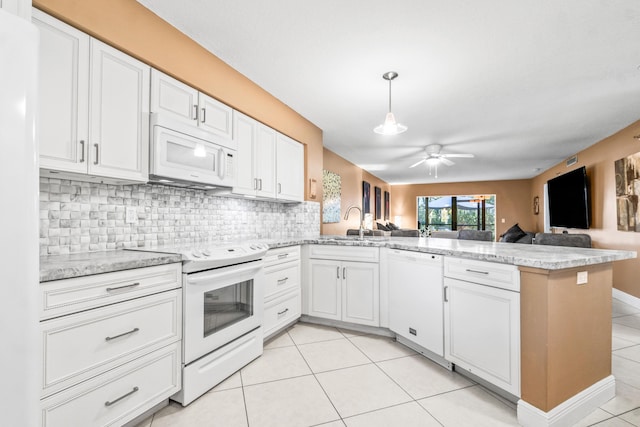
x=361 y=229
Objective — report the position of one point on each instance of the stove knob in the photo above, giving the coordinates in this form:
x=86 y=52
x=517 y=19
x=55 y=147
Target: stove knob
x=196 y=253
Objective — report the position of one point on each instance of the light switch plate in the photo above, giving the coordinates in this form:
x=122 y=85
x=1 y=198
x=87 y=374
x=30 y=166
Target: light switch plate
x=130 y=215
x=583 y=277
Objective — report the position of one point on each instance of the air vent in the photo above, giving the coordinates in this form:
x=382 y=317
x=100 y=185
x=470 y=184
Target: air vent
x=572 y=160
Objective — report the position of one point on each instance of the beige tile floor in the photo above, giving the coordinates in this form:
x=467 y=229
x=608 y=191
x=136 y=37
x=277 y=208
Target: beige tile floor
x=319 y=376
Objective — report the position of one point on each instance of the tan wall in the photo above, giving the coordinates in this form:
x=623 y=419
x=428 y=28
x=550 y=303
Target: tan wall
x=565 y=332
x=351 y=192
x=599 y=160
x=130 y=27
x=513 y=200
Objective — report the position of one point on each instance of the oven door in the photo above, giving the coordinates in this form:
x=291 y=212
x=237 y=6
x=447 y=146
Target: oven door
x=221 y=305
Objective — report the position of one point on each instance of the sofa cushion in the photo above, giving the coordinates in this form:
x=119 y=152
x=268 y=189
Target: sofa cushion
x=513 y=234
x=392 y=226
x=382 y=227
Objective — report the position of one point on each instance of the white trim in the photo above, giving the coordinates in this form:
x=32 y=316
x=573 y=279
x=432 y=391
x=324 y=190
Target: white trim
x=626 y=298
x=571 y=410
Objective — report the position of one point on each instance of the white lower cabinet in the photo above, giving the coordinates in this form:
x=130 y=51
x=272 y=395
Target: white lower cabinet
x=482 y=321
x=117 y=352
x=119 y=395
x=282 y=301
x=345 y=290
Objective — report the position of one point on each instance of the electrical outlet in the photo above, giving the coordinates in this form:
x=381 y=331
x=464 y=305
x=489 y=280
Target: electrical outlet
x=502 y=220
x=583 y=277
x=130 y=215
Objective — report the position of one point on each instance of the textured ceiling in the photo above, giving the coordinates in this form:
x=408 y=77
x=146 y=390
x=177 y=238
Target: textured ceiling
x=522 y=85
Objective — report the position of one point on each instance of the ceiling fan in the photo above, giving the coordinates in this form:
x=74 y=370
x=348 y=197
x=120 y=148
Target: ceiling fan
x=432 y=156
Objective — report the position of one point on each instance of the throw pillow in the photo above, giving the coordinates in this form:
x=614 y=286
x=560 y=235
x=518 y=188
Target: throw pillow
x=382 y=227
x=392 y=226
x=513 y=234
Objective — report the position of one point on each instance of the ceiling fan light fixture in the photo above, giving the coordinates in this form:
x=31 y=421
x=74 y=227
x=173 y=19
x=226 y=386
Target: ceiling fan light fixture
x=390 y=125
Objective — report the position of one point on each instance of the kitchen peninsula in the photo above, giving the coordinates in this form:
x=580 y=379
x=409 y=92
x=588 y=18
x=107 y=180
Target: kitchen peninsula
x=564 y=310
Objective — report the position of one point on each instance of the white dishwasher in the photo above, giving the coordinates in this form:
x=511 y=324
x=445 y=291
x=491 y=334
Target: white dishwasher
x=415 y=298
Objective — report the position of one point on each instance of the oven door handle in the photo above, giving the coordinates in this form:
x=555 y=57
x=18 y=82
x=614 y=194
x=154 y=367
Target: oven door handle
x=218 y=274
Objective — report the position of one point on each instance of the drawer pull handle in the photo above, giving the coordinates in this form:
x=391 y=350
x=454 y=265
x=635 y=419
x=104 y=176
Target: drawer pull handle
x=280 y=313
x=280 y=256
x=122 y=334
x=283 y=280
x=109 y=403
x=476 y=271
x=82 y=152
x=117 y=288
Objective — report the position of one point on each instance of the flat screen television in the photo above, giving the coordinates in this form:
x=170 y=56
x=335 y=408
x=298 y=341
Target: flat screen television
x=569 y=199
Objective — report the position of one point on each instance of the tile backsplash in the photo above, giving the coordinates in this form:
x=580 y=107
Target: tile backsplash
x=81 y=217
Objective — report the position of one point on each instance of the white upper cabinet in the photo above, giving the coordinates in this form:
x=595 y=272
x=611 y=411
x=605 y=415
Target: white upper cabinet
x=186 y=104
x=64 y=95
x=270 y=165
x=93 y=106
x=255 y=173
x=22 y=8
x=264 y=160
x=289 y=169
x=215 y=116
x=119 y=120
x=171 y=96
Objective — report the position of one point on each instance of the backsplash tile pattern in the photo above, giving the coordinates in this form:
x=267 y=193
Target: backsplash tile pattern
x=81 y=217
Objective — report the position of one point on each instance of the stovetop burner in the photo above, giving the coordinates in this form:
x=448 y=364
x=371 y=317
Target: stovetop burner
x=208 y=255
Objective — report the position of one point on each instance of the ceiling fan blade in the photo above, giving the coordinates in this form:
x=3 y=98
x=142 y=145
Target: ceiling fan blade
x=416 y=164
x=446 y=161
x=457 y=155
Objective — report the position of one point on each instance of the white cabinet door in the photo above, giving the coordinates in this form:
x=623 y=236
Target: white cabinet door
x=22 y=8
x=264 y=160
x=482 y=332
x=244 y=135
x=119 y=119
x=215 y=116
x=63 y=84
x=290 y=169
x=325 y=289
x=360 y=293
x=415 y=298
x=171 y=96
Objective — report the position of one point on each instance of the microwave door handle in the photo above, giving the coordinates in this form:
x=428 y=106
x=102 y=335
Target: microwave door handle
x=222 y=163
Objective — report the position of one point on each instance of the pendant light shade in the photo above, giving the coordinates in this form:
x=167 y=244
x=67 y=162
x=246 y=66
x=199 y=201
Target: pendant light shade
x=390 y=125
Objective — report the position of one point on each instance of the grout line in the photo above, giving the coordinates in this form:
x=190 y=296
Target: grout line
x=318 y=381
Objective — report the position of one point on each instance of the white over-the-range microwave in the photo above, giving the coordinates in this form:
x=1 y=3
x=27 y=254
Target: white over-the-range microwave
x=186 y=156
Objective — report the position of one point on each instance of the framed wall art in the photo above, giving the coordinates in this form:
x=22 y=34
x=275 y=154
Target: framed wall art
x=366 y=191
x=386 y=206
x=378 y=193
x=331 y=188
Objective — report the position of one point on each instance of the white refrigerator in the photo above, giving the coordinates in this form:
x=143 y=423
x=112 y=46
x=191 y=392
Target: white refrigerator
x=19 y=358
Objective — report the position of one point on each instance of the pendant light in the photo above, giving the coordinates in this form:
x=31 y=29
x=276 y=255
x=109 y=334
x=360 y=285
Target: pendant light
x=390 y=126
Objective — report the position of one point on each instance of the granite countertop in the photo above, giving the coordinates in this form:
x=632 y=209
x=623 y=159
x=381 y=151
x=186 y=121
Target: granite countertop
x=57 y=267
x=536 y=256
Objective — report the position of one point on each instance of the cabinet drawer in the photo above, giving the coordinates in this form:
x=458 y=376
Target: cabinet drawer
x=79 y=346
x=487 y=273
x=118 y=396
x=67 y=296
x=346 y=253
x=281 y=311
x=281 y=278
x=280 y=255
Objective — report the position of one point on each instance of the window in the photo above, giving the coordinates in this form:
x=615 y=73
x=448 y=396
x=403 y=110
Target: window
x=457 y=212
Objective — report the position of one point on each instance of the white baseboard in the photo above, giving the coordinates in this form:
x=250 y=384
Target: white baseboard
x=626 y=298
x=570 y=411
